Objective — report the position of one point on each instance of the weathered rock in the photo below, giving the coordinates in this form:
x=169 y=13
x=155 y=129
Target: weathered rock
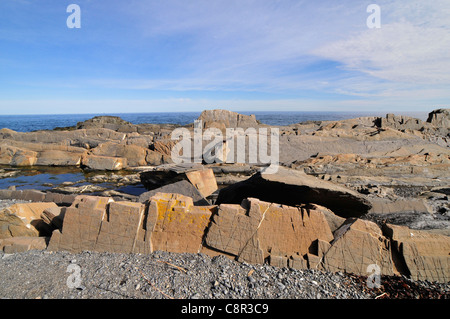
x=164 y=146
x=155 y=158
x=424 y=256
x=119 y=230
x=384 y=206
x=95 y=162
x=358 y=244
x=30 y=214
x=183 y=187
x=333 y=220
x=135 y=155
x=59 y=199
x=202 y=178
x=166 y=174
x=109 y=122
x=78 y=189
x=172 y=223
x=440 y=118
x=292 y=187
x=400 y=122
x=177 y=225
x=82 y=224
x=54 y=216
x=22 y=244
x=10 y=155
x=12 y=226
x=227 y=119
x=253 y=230
x=29 y=195
x=59 y=158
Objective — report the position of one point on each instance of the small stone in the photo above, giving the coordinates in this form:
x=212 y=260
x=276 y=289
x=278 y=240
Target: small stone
x=281 y=286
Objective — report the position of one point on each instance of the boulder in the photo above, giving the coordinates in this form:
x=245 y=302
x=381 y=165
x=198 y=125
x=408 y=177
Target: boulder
x=167 y=174
x=59 y=158
x=120 y=229
x=22 y=244
x=12 y=226
x=177 y=225
x=37 y=196
x=172 y=223
x=30 y=214
x=202 y=178
x=135 y=155
x=226 y=119
x=164 y=146
x=333 y=220
x=103 y=163
x=400 y=122
x=82 y=224
x=255 y=230
x=182 y=187
x=54 y=216
x=155 y=158
x=356 y=245
x=440 y=118
x=293 y=187
x=423 y=255
x=10 y=155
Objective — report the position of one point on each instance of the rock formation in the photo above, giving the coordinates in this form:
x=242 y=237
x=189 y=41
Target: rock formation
x=254 y=231
x=292 y=187
x=223 y=119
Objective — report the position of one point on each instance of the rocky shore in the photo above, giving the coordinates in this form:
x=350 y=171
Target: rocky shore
x=348 y=195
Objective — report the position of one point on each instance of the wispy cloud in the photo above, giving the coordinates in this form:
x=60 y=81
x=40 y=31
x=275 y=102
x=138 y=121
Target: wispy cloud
x=409 y=52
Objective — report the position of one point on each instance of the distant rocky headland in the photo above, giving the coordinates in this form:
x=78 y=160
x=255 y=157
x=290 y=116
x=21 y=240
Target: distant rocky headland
x=348 y=194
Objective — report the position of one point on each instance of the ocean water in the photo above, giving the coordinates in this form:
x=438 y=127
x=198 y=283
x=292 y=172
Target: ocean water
x=28 y=123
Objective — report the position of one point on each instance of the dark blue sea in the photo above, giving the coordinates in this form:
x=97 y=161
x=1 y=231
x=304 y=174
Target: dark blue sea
x=28 y=123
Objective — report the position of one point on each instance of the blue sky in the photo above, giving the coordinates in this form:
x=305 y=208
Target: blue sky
x=247 y=55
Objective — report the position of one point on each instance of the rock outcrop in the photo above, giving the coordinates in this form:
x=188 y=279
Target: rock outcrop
x=293 y=187
x=254 y=231
x=424 y=256
x=223 y=119
x=440 y=118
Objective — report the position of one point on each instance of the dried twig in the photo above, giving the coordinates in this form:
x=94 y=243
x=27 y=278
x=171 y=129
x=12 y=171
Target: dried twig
x=380 y=295
x=177 y=267
x=156 y=288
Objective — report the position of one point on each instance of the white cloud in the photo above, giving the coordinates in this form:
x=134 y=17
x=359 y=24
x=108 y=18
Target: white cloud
x=409 y=54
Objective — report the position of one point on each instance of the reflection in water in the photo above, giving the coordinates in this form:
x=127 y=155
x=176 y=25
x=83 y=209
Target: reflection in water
x=47 y=178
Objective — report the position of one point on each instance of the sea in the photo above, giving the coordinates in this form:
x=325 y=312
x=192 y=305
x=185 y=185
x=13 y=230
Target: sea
x=28 y=123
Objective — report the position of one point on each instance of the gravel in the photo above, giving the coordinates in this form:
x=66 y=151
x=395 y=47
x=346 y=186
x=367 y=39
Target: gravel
x=164 y=275
x=44 y=274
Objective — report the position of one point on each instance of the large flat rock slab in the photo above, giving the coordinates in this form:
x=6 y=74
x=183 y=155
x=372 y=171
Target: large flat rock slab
x=255 y=230
x=292 y=187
